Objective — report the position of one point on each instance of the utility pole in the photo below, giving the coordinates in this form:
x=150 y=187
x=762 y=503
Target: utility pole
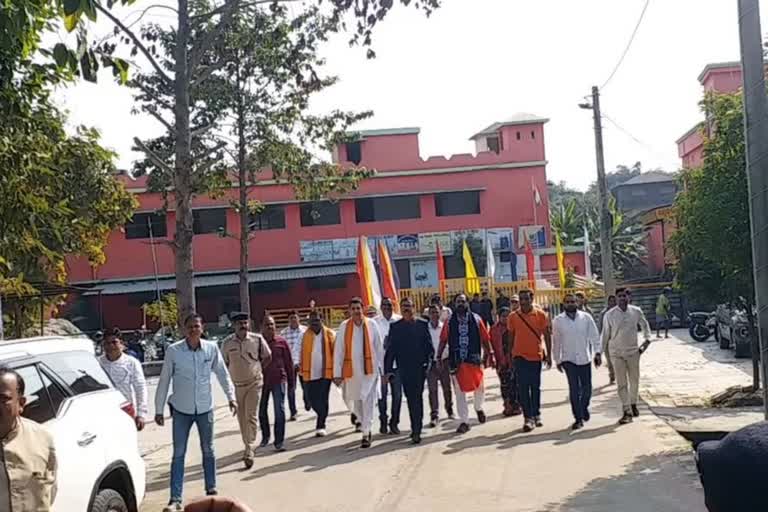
x=606 y=220
x=756 y=138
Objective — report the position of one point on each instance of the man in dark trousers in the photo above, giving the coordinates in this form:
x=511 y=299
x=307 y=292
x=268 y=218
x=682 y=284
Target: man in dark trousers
x=410 y=346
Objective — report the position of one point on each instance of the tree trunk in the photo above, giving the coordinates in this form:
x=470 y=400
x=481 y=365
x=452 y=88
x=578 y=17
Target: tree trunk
x=185 y=291
x=242 y=172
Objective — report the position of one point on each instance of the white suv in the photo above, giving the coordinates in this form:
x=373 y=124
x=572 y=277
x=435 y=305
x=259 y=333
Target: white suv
x=100 y=468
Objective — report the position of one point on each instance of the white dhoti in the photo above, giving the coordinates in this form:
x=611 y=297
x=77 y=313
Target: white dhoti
x=361 y=392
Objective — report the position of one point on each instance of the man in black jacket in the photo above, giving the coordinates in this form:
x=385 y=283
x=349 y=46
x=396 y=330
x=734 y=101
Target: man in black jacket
x=410 y=345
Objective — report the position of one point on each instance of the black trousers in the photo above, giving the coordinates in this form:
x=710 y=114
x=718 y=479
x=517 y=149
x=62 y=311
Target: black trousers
x=580 y=388
x=528 y=375
x=317 y=392
x=413 y=386
x=396 y=386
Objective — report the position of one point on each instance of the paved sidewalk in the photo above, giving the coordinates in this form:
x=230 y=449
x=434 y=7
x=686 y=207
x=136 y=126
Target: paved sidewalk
x=680 y=372
x=680 y=375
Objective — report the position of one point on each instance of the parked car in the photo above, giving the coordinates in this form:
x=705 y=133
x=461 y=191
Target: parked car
x=100 y=466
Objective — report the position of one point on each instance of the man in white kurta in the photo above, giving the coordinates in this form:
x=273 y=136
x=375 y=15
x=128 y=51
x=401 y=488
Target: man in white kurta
x=361 y=390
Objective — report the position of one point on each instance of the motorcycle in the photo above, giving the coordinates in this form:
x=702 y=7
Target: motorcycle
x=702 y=325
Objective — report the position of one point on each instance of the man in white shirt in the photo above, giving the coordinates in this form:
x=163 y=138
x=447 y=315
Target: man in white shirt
x=620 y=332
x=293 y=334
x=316 y=366
x=438 y=373
x=358 y=360
x=126 y=373
x=383 y=321
x=575 y=344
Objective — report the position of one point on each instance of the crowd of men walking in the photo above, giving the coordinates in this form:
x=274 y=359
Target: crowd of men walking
x=377 y=355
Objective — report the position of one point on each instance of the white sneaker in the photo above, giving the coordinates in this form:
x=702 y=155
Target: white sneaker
x=321 y=432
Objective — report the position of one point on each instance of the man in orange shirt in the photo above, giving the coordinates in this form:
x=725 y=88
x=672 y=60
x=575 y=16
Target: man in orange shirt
x=527 y=327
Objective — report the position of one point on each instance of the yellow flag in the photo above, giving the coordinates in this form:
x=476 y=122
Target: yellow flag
x=473 y=283
x=560 y=260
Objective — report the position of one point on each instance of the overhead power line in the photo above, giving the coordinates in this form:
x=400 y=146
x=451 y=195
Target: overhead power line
x=629 y=44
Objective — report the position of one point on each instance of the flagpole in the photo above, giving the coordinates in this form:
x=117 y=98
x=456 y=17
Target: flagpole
x=533 y=194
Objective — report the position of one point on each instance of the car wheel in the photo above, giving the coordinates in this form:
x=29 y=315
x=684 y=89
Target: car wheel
x=109 y=500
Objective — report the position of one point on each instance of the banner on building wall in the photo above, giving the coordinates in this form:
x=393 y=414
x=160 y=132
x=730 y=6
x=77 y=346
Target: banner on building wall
x=423 y=274
x=536 y=236
x=458 y=237
x=407 y=245
x=501 y=239
x=428 y=242
x=344 y=248
x=318 y=250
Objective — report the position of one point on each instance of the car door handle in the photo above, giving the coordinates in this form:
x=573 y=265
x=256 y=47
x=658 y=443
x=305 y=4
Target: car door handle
x=86 y=439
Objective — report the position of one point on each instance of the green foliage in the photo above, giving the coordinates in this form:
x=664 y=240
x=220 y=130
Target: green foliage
x=712 y=240
x=59 y=195
x=164 y=312
x=571 y=210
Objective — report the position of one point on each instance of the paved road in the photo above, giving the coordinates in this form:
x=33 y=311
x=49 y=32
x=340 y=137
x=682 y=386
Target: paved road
x=603 y=468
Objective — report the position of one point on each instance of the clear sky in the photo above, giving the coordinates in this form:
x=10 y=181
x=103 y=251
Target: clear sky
x=475 y=62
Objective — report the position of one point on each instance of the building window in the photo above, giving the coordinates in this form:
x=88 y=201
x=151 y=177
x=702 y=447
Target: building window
x=533 y=135
x=327 y=282
x=518 y=136
x=141 y=224
x=320 y=213
x=355 y=152
x=270 y=217
x=375 y=209
x=494 y=144
x=457 y=203
x=209 y=220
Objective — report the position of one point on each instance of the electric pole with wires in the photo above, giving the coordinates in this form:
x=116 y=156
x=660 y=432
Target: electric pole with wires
x=756 y=138
x=606 y=219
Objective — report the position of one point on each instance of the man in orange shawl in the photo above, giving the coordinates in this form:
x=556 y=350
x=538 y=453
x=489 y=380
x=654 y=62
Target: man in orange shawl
x=467 y=337
x=316 y=367
x=357 y=363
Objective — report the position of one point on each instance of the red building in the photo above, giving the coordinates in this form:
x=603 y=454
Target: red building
x=307 y=250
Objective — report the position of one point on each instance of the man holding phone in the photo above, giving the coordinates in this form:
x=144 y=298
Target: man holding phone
x=620 y=332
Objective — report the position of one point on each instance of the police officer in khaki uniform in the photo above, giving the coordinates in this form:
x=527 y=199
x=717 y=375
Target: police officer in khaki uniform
x=27 y=454
x=245 y=353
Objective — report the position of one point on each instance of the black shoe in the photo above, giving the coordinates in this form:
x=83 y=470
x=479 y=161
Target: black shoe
x=481 y=417
x=366 y=442
x=353 y=419
x=587 y=416
x=307 y=406
x=264 y=442
x=537 y=421
x=248 y=463
x=612 y=381
x=627 y=418
x=279 y=448
x=463 y=428
x=416 y=438
x=358 y=427
x=383 y=429
x=293 y=417
x=635 y=410
x=577 y=425
x=450 y=413
x=394 y=430
x=432 y=424
x=211 y=492
x=528 y=425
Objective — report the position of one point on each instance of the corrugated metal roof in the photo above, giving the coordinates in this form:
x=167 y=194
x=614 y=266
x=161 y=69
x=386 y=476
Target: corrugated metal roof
x=231 y=278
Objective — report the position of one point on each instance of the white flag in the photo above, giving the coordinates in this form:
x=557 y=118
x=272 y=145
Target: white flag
x=536 y=195
x=587 y=263
x=490 y=268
